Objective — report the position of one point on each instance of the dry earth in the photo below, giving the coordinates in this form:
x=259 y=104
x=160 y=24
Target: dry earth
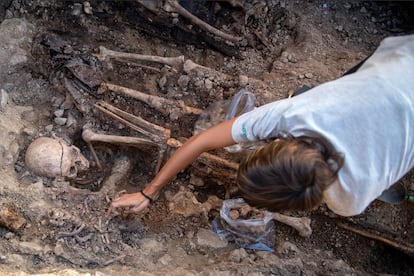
x=58 y=226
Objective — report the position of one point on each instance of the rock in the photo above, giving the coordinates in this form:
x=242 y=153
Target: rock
x=208 y=238
x=10 y=217
x=59 y=113
x=60 y=121
x=4 y=98
x=238 y=255
x=308 y=75
x=151 y=246
x=183 y=82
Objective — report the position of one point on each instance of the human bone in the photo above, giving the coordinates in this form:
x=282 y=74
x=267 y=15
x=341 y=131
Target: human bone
x=54 y=157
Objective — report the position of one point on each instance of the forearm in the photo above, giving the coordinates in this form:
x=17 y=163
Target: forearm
x=213 y=138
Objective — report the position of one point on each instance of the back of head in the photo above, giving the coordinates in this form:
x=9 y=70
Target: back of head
x=289 y=174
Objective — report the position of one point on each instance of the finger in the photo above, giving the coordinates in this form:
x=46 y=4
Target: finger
x=112 y=212
x=138 y=208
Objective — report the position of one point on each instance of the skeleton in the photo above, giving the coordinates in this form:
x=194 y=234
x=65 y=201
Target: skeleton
x=54 y=157
x=151 y=135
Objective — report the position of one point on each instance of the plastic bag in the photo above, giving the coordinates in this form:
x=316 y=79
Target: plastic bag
x=242 y=102
x=254 y=233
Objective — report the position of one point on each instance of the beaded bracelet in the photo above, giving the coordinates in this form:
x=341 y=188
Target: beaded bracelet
x=147 y=197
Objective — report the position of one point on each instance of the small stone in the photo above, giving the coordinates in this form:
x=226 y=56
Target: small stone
x=76 y=9
x=183 y=81
x=243 y=80
x=363 y=10
x=238 y=255
x=309 y=75
x=71 y=120
x=59 y=113
x=4 y=98
x=49 y=128
x=60 y=121
x=208 y=84
x=162 y=82
x=208 y=238
x=87 y=8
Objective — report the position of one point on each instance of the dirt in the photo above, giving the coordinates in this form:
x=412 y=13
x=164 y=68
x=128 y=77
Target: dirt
x=58 y=225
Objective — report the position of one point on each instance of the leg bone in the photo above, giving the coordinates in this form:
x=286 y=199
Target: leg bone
x=90 y=136
x=175 y=62
x=174 y=109
x=174 y=6
x=302 y=225
x=151 y=131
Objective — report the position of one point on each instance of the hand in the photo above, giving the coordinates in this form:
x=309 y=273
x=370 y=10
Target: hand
x=133 y=202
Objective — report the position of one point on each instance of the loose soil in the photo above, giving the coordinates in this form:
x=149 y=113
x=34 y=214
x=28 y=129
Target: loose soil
x=60 y=225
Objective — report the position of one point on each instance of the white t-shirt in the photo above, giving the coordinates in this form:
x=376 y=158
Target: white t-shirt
x=368 y=116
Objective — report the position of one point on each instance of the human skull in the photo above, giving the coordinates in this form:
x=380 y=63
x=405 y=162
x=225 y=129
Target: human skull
x=54 y=157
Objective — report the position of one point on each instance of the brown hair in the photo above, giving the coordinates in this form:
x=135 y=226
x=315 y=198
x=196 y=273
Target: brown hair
x=289 y=173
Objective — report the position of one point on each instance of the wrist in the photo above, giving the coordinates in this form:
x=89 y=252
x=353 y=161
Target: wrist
x=151 y=200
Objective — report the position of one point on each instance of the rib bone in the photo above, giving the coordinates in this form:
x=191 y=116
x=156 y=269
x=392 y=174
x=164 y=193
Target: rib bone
x=302 y=225
x=175 y=62
x=174 y=6
x=172 y=108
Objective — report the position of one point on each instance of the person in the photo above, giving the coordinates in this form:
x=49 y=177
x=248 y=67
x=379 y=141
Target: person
x=342 y=143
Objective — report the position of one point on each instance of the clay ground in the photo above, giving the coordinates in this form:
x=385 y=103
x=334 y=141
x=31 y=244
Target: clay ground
x=58 y=226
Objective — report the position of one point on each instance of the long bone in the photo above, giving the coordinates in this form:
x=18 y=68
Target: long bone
x=151 y=131
x=105 y=53
x=172 y=108
x=89 y=136
x=174 y=6
x=302 y=225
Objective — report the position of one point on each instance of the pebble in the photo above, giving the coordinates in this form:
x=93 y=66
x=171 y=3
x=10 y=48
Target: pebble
x=238 y=255
x=162 y=81
x=4 y=98
x=77 y=9
x=308 y=75
x=208 y=84
x=243 y=80
x=59 y=113
x=208 y=238
x=183 y=81
x=60 y=121
x=87 y=8
x=49 y=128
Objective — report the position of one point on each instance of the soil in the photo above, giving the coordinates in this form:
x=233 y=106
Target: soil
x=50 y=82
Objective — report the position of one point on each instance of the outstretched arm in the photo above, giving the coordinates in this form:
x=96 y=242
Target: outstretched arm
x=212 y=138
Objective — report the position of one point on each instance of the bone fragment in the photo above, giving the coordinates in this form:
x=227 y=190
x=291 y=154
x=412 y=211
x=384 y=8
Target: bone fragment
x=174 y=6
x=302 y=225
x=172 y=108
x=105 y=53
x=151 y=131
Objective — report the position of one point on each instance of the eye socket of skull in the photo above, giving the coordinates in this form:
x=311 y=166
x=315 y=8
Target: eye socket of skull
x=73 y=161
